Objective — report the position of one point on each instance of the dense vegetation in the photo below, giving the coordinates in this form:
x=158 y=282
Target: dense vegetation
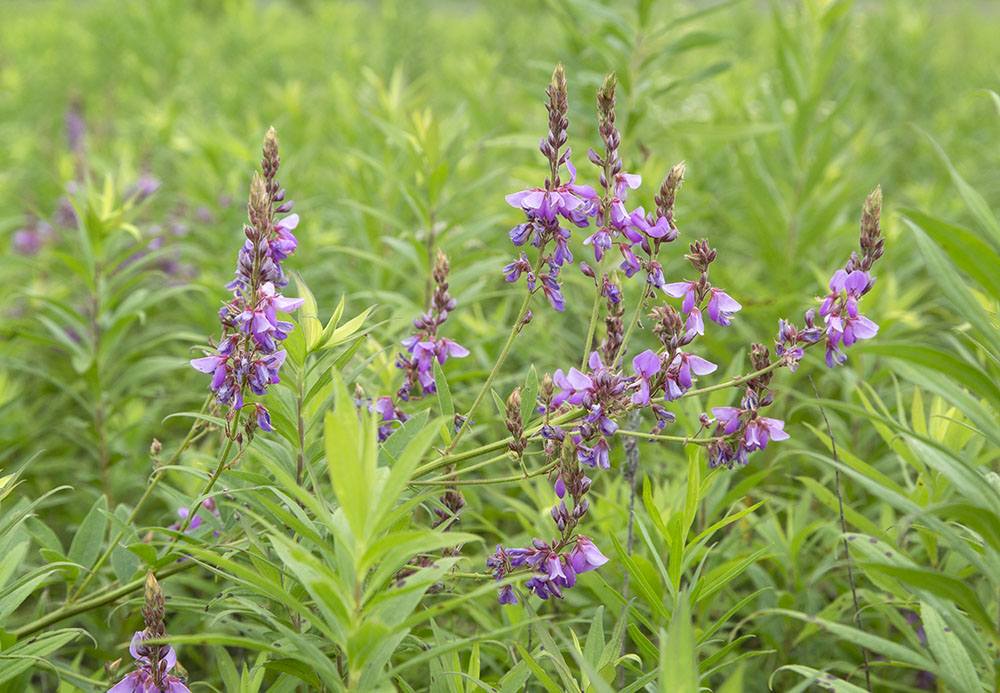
x=600 y=523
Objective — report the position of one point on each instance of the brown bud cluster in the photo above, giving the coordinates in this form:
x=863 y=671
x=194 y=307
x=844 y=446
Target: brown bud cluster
x=668 y=326
x=512 y=420
x=668 y=193
x=558 y=107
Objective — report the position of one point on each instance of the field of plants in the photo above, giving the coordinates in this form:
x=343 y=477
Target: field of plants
x=569 y=346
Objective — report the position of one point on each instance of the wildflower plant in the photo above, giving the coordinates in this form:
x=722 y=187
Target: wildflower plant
x=344 y=539
x=581 y=417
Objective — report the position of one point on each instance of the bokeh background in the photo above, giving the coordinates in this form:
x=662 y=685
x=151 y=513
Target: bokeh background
x=402 y=126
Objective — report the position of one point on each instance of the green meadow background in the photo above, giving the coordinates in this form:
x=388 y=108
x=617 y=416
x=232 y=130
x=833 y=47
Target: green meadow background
x=402 y=126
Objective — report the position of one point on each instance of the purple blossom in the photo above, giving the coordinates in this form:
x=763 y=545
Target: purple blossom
x=646 y=365
x=721 y=307
x=689 y=290
x=679 y=373
x=549 y=204
x=762 y=429
x=586 y=556
x=141 y=680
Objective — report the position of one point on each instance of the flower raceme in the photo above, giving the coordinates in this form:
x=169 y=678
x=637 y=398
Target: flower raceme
x=248 y=357
x=599 y=391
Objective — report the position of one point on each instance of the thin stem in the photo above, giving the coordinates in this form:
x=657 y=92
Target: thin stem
x=445 y=460
x=670 y=439
x=224 y=461
x=190 y=438
x=515 y=330
x=477 y=482
x=593 y=323
x=300 y=456
x=631 y=326
x=843 y=527
x=735 y=381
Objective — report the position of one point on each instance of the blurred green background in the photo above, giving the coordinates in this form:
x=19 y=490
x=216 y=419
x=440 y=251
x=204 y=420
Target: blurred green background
x=402 y=126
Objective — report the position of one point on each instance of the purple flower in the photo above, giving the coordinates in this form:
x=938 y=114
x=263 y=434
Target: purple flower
x=507 y=595
x=586 y=556
x=141 y=680
x=721 y=307
x=263 y=418
x=574 y=386
x=679 y=373
x=688 y=290
x=646 y=365
x=548 y=204
x=762 y=429
x=597 y=456
x=729 y=417
x=694 y=322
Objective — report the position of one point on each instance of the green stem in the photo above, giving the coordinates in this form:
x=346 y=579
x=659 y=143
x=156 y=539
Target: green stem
x=71 y=610
x=224 y=461
x=476 y=482
x=631 y=326
x=515 y=330
x=138 y=506
x=668 y=439
x=445 y=460
x=594 y=311
x=735 y=381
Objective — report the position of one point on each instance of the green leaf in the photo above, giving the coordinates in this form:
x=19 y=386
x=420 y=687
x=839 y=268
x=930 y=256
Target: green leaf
x=976 y=203
x=299 y=670
x=86 y=544
x=956 y=665
x=312 y=328
x=829 y=681
x=678 y=651
x=529 y=395
x=349 y=437
x=445 y=403
x=339 y=335
x=537 y=670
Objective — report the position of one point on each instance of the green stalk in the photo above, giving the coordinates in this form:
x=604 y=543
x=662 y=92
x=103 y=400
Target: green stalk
x=449 y=481
x=138 y=506
x=95 y=602
x=515 y=330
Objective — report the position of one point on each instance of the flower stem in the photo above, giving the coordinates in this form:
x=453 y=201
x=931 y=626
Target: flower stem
x=631 y=326
x=450 y=481
x=97 y=601
x=190 y=438
x=514 y=331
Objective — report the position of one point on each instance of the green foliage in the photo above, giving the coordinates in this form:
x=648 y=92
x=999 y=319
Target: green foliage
x=402 y=126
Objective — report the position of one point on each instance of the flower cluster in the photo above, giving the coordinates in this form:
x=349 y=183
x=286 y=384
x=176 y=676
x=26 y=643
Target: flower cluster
x=152 y=660
x=248 y=353
x=426 y=346
x=742 y=430
x=600 y=392
x=543 y=207
x=554 y=565
x=844 y=325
